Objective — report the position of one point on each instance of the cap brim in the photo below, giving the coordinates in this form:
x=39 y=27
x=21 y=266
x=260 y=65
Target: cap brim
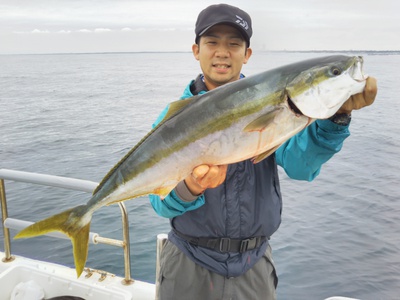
x=241 y=30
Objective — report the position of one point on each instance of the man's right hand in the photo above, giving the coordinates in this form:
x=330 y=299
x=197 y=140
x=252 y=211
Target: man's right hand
x=204 y=177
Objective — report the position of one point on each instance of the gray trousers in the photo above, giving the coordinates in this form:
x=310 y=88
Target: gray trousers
x=182 y=279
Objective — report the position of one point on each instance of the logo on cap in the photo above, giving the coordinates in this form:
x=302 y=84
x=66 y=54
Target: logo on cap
x=242 y=22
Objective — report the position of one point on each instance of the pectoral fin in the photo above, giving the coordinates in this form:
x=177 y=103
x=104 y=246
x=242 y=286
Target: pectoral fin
x=262 y=122
x=264 y=155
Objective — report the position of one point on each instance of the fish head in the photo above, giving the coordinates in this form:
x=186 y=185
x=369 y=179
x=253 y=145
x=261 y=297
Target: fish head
x=322 y=85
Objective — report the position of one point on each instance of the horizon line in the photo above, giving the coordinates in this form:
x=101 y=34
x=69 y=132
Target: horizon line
x=153 y=51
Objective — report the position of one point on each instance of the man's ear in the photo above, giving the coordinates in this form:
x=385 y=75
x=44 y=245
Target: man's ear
x=195 y=50
x=247 y=55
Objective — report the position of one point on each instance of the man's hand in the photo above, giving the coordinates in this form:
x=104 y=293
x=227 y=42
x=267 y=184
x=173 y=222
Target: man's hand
x=358 y=101
x=204 y=177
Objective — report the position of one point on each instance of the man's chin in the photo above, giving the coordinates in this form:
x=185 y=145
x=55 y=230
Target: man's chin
x=222 y=79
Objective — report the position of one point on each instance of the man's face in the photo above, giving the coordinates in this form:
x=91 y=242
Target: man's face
x=221 y=52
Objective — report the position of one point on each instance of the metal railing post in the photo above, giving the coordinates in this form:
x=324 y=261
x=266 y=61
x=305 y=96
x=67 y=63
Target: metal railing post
x=161 y=240
x=4 y=215
x=127 y=248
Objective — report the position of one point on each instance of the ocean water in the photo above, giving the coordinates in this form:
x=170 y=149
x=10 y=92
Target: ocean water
x=77 y=115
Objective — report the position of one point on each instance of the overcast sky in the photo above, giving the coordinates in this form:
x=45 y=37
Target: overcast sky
x=65 y=26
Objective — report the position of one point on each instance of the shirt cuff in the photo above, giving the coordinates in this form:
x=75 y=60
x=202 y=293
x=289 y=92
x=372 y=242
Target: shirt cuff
x=183 y=192
x=329 y=126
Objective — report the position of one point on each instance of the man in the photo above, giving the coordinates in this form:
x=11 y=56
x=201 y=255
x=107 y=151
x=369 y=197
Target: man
x=222 y=216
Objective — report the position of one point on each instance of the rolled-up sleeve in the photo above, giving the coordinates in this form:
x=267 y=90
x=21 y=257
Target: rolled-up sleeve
x=172 y=206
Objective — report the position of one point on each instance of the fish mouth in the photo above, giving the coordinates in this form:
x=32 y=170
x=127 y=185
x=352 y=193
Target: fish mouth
x=357 y=71
x=293 y=107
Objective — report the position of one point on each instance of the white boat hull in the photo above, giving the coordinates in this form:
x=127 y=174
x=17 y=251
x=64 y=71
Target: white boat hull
x=56 y=280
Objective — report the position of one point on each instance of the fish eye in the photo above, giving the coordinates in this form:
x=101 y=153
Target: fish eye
x=335 y=71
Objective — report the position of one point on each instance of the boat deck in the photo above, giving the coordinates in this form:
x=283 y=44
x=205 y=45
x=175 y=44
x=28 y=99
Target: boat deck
x=58 y=280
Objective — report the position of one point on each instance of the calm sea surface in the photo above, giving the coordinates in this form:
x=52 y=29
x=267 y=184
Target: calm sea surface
x=77 y=115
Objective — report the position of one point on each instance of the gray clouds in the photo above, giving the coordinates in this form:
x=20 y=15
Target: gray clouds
x=46 y=26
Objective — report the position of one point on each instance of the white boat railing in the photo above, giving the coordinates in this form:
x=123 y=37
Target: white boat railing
x=65 y=183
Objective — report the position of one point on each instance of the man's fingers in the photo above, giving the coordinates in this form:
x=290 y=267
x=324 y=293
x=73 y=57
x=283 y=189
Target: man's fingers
x=222 y=171
x=208 y=180
x=360 y=100
x=200 y=171
x=370 y=91
x=209 y=176
x=367 y=97
x=215 y=176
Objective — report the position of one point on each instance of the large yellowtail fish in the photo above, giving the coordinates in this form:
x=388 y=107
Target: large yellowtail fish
x=249 y=118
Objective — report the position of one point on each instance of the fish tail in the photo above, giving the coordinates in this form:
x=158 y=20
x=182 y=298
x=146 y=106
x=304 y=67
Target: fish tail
x=75 y=223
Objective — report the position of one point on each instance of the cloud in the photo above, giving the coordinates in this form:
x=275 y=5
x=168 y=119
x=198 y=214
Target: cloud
x=101 y=30
x=40 y=31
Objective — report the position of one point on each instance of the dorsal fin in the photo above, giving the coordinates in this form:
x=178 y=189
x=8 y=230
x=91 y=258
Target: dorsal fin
x=173 y=109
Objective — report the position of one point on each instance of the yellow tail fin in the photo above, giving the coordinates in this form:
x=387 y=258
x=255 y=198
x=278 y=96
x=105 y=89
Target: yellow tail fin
x=74 y=223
